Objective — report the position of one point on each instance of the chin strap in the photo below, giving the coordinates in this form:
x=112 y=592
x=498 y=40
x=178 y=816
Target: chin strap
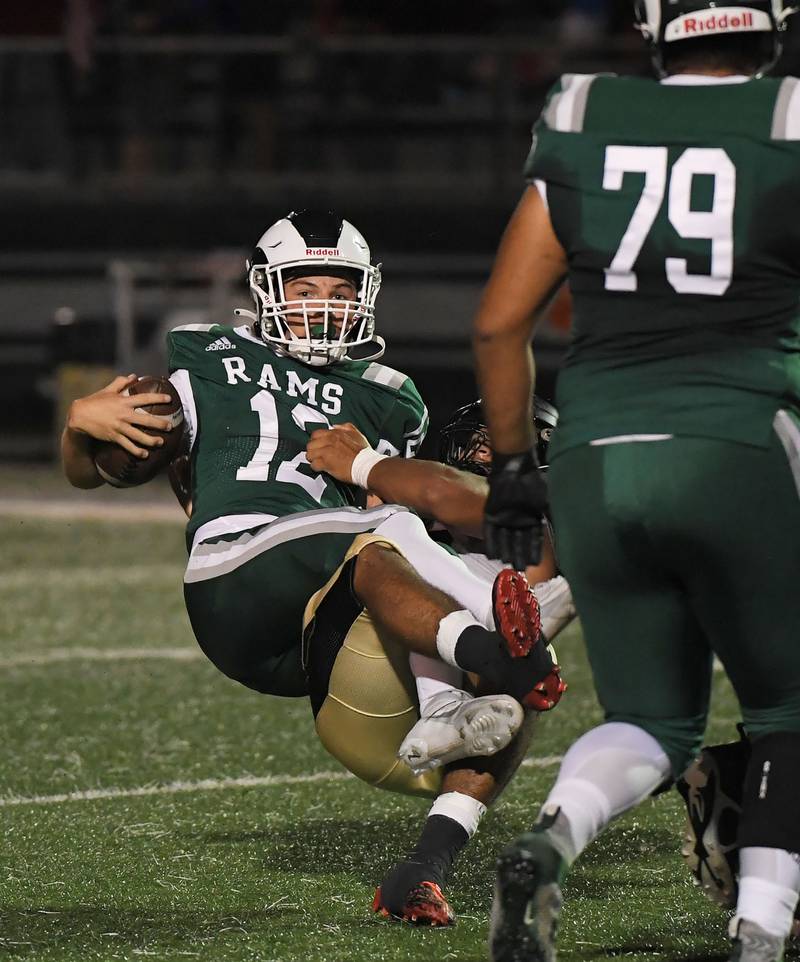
x=379 y=352
x=241 y=312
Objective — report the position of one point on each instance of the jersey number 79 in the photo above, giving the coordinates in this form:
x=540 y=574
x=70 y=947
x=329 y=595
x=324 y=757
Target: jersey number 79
x=715 y=225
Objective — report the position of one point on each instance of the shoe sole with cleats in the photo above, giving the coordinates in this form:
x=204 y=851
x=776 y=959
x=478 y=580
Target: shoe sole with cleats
x=527 y=902
x=480 y=727
x=516 y=612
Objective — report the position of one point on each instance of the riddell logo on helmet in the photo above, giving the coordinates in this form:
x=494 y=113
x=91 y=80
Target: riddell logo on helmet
x=321 y=252
x=721 y=20
x=714 y=23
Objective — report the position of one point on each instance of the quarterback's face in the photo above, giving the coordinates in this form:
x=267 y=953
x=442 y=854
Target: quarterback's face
x=319 y=290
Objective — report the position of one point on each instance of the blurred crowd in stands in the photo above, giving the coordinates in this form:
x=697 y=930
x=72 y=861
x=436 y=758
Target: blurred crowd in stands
x=573 y=20
x=83 y=109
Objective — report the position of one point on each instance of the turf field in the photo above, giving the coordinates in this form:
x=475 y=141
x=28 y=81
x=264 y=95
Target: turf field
x=150 y=807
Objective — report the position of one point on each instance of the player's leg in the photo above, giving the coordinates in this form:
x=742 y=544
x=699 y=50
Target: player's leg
x=429 y=622
x=446 y=706
x=438 y=566
x=373 y=568
x=412 y=889
x=746 y=583
x=652 y=672
x=449 y=714
x=362 y=694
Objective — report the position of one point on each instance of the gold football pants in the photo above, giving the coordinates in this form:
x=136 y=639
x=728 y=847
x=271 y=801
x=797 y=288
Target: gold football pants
x=362 y=691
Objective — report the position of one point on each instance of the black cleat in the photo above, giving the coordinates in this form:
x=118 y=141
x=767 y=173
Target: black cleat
x=410 y=892
x=527 y=901
x=712 y=790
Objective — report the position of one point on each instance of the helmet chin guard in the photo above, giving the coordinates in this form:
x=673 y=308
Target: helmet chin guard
x=322 y=331
x=662 y=22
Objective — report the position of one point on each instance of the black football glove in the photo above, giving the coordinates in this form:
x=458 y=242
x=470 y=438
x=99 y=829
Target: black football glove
x=513 y=522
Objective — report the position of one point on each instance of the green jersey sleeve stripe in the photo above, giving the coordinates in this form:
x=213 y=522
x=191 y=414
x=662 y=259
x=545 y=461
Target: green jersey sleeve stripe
x=183 y=385
x=567 y=110
x=786 y=118
x=193 y=327
x=381 y=374
x=421 y=428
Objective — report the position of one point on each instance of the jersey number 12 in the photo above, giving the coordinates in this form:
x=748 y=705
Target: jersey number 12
x=715 y=225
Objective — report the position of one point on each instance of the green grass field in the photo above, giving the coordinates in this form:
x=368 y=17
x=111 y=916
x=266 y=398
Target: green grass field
x=129 y=829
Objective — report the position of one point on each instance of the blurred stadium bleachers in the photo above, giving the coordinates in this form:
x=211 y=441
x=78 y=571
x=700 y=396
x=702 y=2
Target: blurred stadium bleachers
x=144 y=146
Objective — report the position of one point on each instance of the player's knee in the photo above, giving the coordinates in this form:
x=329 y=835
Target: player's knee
x=680 y=738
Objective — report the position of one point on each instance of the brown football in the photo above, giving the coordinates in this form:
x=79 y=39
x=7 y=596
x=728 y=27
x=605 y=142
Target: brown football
x=124 y=470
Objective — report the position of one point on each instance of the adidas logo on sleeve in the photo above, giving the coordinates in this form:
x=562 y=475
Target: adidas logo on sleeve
x=221 y=344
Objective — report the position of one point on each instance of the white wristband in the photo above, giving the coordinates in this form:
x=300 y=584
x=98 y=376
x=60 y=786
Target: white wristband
x=363 y=463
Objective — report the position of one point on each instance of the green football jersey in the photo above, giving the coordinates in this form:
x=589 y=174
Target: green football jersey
x=251 y=411
x=677 y=205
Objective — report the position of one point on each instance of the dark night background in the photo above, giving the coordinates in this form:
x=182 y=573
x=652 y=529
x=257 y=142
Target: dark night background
x=145 y=146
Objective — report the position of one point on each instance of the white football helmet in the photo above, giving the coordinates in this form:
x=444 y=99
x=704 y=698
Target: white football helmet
x=664 y=21
x=309 y=244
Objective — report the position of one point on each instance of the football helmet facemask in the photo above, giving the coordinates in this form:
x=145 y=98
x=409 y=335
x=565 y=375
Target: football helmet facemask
x=314 y=244
x=664 y=21
x=464 y=441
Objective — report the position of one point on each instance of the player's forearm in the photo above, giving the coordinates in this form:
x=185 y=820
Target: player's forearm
x=453 y=498
x=77 y=460
x=547 y=567
x=505 y=373
x=529 y=268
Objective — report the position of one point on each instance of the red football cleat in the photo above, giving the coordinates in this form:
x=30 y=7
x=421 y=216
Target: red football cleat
x=516 y=612
x=547 y=694
x=425 y=905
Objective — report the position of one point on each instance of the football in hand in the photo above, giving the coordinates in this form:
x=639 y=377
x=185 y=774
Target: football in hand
x=122 y=469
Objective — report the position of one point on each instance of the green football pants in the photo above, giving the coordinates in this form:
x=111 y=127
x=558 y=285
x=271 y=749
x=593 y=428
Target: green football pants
x=246 y=592
x=675 y=550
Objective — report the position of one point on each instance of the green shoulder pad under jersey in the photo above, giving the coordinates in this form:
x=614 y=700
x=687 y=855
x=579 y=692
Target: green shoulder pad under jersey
x=253 y=413
x=676 y=203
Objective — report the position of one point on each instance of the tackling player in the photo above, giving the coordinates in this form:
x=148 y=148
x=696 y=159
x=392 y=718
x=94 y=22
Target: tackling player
x=451 y=493
x=676 y=469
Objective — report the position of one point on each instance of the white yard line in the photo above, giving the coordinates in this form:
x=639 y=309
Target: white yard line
x=546 y=761
x=88 y=576
x=208 y=785
x=51 y=656
x=175 y=788
x=66 y=510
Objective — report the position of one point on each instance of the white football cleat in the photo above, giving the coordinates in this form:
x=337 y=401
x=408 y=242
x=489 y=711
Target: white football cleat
x=457 y=725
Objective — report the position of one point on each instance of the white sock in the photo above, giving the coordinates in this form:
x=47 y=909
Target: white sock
x=769 y=881
x=433 y=677
x=449 y=631
x=464 y=809
x=606 y=771
x=437 y=566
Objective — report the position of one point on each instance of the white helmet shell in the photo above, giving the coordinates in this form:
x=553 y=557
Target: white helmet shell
x=321 y=331
x=666 y=21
